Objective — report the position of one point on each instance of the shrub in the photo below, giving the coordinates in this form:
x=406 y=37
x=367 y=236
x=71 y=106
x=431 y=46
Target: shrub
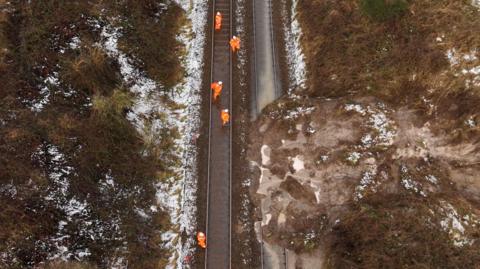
x=382 y=10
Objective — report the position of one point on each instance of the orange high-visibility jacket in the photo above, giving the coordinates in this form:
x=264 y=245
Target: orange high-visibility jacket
x=218 y=21
x=216 y=87
x=225 y=117
x=235 y=43
x=201 y=239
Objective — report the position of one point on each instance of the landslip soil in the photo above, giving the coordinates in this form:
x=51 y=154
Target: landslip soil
x=320 y=164
x=385 y=175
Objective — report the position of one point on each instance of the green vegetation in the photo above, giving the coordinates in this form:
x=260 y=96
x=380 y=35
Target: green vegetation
x=382 y=10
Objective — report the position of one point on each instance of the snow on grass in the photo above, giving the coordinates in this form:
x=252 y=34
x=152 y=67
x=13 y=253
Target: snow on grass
x=382 y=129
x=367 y=182
x=148 y=105
x=465 y=65
x=456 y=224
x=470 y=122
x=189 y=95
x=295 y=56
x=176 y=194
x=432 y=179
x=409 y=183
x=74 y=43
x=299 y=112
x=242 y=56
x=48 y=84
x=357 y=108
x=75 y=211
x=353 y=157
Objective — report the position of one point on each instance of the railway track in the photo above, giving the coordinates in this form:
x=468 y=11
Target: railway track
x=219 y=202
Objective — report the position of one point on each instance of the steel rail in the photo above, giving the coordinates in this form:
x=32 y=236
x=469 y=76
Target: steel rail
x=231 y=139
x=212 y=58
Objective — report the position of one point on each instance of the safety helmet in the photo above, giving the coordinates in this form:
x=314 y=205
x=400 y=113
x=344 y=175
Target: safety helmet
x=220 y=82
x=225 y=110
x=218 y=12
x=234 y=37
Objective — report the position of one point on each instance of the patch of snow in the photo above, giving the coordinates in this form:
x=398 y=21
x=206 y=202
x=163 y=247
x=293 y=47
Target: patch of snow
x=366 y=182
x=57 y=193
x=9 y=190
x=74 y=43
x=432 y=179
x=267 y=220
x=298 y=163
x=298 y=112
x=265 y=151
x=49 y=83
x=295 y=56
x=465 y=65
x=456 y=224
x=382 y=132
x=453 y=57
x=357 y=108
x=354 y=157
x=409 y=183
x=471 y=122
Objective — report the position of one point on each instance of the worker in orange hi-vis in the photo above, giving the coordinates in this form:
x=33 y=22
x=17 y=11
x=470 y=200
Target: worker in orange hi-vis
x=217 y=89
x=225 y=117
x=235 y=43
x=202 y=240
x=218 y=21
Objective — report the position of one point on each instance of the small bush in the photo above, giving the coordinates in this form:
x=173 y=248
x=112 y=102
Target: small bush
x=382 y=10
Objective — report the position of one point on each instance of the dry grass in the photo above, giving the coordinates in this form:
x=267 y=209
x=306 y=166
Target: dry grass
x=96 y=140
x=396 y=231
x=349 y=54
x=92 y=72
x=354 y=49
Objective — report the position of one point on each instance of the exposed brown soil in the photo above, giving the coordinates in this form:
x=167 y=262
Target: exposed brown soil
x=309 y=182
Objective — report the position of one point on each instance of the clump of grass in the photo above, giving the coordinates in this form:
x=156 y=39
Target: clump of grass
x=382 y=10
x=113 y=106
x=92 y=71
